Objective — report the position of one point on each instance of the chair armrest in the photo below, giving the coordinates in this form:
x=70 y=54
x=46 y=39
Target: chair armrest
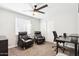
x=26 y=40
x=23 y=40
x=43 y=37
x=60 y=35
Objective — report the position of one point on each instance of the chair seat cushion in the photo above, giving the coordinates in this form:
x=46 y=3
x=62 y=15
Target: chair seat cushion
x=25 y=37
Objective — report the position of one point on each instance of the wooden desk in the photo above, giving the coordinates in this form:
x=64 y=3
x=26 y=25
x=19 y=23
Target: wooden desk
x=68 y=40
x=3 y=46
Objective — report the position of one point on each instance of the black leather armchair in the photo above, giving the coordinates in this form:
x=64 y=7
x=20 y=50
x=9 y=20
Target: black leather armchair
x=39 y=39
x=24 y=41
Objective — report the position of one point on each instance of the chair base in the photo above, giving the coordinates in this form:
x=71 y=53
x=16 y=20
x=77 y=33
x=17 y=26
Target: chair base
x=26 y=45
x=39 y=42
x=61 y=54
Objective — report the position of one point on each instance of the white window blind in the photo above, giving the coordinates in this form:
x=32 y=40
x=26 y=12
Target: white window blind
x=23 y=24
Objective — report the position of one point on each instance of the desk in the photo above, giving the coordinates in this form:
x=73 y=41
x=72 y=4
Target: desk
x=3 y=46
x=68 y=40
x=76 y=41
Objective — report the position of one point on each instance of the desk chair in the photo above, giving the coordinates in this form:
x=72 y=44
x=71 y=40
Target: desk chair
x=56 y=37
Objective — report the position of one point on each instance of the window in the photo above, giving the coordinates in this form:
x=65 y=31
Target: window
x=23 y=24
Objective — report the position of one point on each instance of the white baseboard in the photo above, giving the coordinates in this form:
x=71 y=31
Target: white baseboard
x=12 y=46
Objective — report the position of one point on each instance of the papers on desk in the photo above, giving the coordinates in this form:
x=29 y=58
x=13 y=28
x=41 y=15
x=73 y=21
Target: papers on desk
x=65 y=39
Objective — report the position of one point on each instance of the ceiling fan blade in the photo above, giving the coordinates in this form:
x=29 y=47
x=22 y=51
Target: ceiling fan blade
x=42 y=7
x=41 y=12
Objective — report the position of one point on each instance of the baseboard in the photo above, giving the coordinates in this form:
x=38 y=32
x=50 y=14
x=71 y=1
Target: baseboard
x=12 y=46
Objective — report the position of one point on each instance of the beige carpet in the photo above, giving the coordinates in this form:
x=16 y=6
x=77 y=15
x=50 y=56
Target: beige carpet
x=36 y=50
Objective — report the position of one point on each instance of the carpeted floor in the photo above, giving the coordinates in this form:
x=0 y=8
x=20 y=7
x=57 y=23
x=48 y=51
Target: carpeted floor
x=36 y=50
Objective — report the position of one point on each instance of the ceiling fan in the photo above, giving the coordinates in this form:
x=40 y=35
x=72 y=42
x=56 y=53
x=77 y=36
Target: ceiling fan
x=36 y=8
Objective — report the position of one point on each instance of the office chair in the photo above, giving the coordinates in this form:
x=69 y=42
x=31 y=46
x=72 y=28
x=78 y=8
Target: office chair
x=65 y=35
x=57 y=37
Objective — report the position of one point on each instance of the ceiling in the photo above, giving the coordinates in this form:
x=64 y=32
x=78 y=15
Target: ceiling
x=23 y=8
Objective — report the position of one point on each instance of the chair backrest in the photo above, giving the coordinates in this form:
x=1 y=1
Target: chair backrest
x=37 y=33
x=55 y=35
x=64 y=35
x=22 y=35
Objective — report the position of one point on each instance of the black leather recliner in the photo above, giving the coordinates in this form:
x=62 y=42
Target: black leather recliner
x=39 y=39
x=24 y=41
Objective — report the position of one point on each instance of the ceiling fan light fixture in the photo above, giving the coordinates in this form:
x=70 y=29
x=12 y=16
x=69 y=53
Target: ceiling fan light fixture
x=34 y=13
x=37 y=9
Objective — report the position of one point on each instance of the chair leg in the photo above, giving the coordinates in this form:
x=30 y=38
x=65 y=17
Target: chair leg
x=24 y=48
x=62 y=48
x=53 y=46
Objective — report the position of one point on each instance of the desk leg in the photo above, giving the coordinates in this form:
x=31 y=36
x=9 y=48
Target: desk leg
x=57 y=48
x=63 y=47
x=75 y=49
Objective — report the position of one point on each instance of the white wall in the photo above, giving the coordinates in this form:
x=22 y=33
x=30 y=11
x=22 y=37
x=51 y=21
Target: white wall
x=61 y=17
x=78 y=24
x=7 y=25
